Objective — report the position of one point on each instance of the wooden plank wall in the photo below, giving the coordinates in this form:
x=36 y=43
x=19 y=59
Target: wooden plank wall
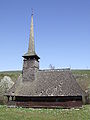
x=68 y=104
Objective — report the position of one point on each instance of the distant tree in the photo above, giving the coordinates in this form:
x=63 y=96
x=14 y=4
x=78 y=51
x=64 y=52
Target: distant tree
x=51 y=66
x=5 y=84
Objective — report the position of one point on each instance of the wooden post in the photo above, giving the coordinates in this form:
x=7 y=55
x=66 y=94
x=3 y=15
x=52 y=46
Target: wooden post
x=12 y=98
x=8 y=98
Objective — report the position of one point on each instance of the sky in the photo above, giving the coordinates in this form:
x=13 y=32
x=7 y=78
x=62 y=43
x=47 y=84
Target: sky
x=61 y=33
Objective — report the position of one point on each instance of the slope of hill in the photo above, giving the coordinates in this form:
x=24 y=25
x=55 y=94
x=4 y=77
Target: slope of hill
x=83 y=78
x=12 y=74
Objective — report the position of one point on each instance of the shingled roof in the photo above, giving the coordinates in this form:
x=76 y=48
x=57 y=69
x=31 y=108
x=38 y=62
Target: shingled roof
x=48 y=83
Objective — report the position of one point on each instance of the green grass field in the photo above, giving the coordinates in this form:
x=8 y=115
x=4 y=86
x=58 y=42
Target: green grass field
x=44 y=114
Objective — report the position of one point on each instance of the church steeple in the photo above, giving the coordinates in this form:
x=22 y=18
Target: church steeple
x=31 y=49
x=30 y=61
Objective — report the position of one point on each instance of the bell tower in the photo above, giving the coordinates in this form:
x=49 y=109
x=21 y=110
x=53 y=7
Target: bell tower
x=31 y=59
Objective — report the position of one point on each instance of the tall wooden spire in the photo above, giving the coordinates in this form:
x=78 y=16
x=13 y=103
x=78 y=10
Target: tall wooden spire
x=31 y=48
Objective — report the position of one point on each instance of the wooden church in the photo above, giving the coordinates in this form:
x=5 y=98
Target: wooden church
x=37 y=88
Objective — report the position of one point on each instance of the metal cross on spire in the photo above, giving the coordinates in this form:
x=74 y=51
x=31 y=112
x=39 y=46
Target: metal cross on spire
x=32 y=11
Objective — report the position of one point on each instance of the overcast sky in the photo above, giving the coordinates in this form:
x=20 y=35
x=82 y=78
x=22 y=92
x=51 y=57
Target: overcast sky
x=61 y=32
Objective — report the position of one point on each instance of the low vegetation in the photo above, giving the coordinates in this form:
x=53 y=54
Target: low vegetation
x=12 y=74
x=7 y=79
x=44 y=114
